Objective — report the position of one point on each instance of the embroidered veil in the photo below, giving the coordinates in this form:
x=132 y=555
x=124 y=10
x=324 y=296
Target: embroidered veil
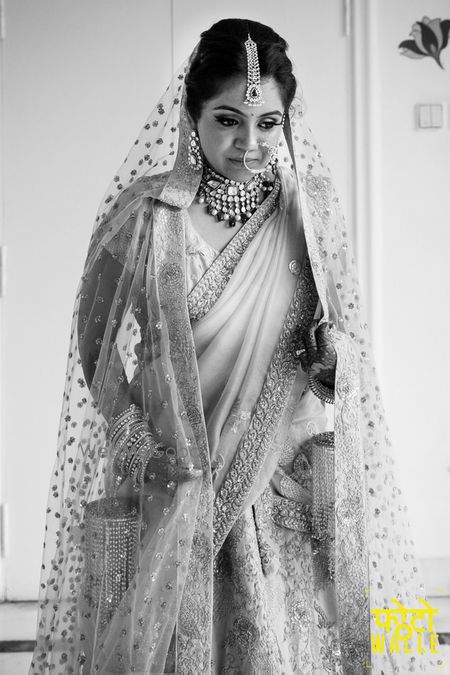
x=131 y=335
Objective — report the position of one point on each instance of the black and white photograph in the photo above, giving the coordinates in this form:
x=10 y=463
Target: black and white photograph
x=224 y=363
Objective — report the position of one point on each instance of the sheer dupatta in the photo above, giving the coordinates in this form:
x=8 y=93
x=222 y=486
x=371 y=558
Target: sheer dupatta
x=132 y=293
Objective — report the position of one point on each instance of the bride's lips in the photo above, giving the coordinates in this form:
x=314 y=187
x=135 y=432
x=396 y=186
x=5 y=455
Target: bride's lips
x=240 y=160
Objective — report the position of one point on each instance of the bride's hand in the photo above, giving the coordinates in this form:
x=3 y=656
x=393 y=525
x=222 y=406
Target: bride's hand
x=318 y=355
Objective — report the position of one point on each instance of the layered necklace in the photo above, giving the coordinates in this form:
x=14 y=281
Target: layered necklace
x=230 y=200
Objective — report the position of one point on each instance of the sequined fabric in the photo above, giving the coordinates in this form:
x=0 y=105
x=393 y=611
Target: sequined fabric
x=269 y=618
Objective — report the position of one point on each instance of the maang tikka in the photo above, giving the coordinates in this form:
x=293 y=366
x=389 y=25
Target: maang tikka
x=253 y=95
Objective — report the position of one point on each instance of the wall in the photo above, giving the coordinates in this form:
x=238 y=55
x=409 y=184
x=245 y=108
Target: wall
x=77 y=87
x=411 y=220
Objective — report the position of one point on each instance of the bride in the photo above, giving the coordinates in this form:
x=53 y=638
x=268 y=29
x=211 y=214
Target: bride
x=204 y=516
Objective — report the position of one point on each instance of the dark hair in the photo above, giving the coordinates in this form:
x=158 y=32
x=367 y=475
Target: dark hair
x=221 y=56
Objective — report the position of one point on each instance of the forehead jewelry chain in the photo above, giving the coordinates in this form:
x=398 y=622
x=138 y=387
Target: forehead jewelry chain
x=230 y=200
x=253 y=95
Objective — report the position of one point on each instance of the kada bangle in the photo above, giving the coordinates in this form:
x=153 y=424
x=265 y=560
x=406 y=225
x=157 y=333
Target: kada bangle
x=320 y=390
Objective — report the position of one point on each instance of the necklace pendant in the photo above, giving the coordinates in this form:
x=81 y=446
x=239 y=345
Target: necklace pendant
x=231 y=201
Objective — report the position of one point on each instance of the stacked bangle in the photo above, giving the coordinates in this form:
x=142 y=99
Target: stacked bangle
x=320 y=390
x=134 y=445
x=122 y=422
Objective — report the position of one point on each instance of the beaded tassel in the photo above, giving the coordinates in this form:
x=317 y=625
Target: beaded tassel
x=111 y=541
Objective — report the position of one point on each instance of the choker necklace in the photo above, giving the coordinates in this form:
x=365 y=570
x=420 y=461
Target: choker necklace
x=230 y=200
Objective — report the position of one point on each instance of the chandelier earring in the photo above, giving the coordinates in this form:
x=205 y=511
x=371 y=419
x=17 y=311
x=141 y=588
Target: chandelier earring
x=273 y=155
x=194 y=152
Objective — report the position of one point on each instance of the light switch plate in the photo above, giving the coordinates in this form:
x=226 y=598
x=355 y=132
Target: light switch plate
x=437 y=116
x=424 y=116
x=429 y=115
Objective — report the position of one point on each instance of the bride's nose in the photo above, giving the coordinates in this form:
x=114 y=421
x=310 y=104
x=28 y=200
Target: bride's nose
x=247 y=138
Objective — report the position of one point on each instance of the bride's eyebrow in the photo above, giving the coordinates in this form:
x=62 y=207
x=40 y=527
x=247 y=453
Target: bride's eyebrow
x=239 y=112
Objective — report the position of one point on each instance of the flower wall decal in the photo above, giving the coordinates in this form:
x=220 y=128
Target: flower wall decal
x=430 y=37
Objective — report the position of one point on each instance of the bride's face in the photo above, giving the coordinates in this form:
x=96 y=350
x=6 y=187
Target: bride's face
x=228 y=127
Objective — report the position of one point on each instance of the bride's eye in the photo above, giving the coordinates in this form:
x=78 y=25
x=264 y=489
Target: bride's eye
x=226 y=121
x=269 y=124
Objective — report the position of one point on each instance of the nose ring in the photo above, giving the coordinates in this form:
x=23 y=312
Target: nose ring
x=246 y=165
x=272 y=156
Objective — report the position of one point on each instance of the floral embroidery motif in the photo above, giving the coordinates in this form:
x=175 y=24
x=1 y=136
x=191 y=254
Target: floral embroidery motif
x=290 y=514
x=329 y=650
x=286 y=512
x=290 y=488
x=195 y=250
x=299 y=613
x=288 y=451
x=217 y=465
x=311 y=428
x=237 y=417
x=264 y=622
x=315 y=191
x=301 y=471
x=318 y=189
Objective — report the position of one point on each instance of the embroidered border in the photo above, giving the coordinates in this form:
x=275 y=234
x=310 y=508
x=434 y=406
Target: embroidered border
x=257 y=441
x=291 y=514
x=352 y=551
x=209 y=289
x=192 y=636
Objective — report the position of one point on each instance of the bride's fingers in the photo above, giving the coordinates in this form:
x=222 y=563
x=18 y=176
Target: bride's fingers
x=309 y=338
x=302 y=353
